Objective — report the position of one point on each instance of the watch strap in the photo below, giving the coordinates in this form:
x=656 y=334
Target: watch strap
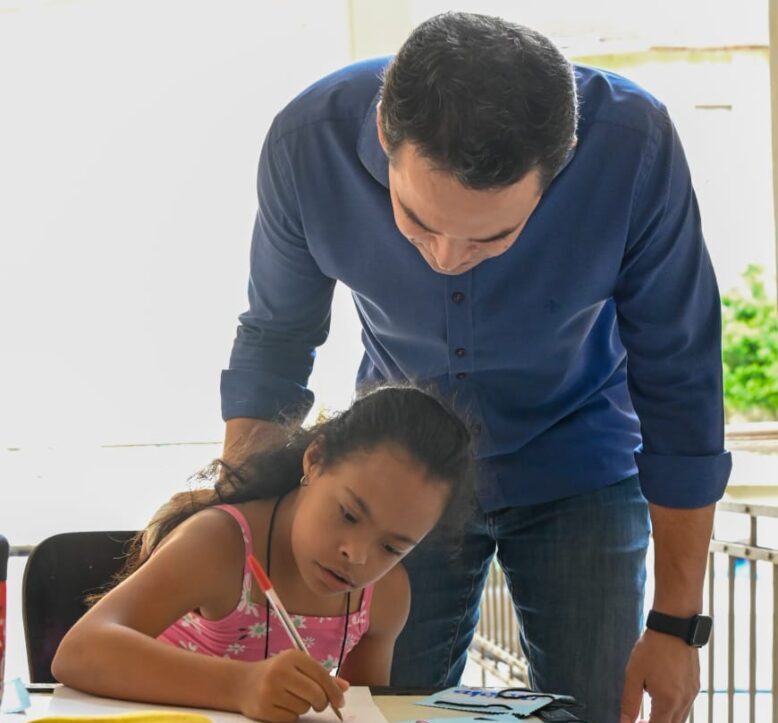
x=669 y=624
x=694 y=631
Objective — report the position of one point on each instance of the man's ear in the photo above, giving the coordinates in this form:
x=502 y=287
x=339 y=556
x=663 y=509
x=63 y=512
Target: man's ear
x=380 y=130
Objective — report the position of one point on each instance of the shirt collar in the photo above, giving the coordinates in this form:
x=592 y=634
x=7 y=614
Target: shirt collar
x=369 y=149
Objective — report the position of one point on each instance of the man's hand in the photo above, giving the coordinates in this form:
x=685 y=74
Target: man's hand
x=669 y=670
x=664 y=665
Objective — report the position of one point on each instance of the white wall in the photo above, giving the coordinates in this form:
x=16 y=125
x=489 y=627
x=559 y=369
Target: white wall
x=129 y=137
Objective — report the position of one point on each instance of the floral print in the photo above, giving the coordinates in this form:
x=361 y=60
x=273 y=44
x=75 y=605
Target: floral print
x=242 y=635
x=257 y=630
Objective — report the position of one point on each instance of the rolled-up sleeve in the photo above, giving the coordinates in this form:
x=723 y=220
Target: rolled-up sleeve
x=289 y=304
x=670 y=324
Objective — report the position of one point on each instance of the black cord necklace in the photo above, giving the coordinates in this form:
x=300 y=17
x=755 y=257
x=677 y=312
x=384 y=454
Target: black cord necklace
x=267 y=602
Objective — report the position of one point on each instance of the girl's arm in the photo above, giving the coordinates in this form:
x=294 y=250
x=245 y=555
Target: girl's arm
x=112 y=651
x=370 y=661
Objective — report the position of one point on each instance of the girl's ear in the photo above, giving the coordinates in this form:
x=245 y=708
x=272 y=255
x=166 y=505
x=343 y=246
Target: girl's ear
x=312 y=457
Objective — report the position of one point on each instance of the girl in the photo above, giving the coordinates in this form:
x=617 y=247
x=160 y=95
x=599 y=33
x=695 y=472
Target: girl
x=329 y=511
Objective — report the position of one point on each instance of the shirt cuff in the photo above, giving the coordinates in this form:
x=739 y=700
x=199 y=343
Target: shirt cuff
x=683 y=482
x=261 y=395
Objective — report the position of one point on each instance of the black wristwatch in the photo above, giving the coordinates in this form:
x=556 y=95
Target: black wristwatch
x=694 y=631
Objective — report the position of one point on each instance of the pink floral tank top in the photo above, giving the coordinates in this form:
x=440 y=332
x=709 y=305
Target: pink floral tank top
x=241 y=635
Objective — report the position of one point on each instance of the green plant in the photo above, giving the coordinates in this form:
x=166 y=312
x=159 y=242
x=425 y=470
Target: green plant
x=750 y=350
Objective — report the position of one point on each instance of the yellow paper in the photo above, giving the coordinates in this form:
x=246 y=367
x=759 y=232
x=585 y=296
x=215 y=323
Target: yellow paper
x=141 y=716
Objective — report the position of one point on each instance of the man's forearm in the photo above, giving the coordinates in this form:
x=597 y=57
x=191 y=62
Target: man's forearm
x=681 y=542
x=243 y=435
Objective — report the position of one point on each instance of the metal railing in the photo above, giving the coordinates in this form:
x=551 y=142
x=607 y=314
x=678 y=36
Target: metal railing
x=496 y=647
x=747 y=553
x=733 y=605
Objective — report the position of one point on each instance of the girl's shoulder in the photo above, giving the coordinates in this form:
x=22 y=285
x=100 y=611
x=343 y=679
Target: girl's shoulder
x=209 y=547
x=254 y=514
x=257 y=512
x=210 y=526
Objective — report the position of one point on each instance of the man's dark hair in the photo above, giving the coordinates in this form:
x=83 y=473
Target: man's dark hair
x=482 y=99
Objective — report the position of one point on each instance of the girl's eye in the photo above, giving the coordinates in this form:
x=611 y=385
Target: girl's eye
x=393 y=550
x=347 y=515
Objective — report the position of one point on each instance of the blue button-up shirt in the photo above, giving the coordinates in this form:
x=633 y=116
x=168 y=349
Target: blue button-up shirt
x=587 y=352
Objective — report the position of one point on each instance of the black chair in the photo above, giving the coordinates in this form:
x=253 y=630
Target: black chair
x=60 y=572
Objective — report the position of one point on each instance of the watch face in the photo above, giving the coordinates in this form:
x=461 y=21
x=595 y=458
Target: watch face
x=700 y=632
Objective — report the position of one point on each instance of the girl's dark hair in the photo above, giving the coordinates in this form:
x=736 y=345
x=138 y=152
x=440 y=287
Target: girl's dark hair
x=425 y=427
x=483 y=99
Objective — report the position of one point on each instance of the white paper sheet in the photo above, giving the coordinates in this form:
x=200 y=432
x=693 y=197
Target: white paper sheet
x=66 y=701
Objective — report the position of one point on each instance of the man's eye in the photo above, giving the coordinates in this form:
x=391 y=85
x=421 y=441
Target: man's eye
x=348 y=516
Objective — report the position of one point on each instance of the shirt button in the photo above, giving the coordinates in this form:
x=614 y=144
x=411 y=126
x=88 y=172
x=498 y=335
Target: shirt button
x=461 y=375
x=457 y=297
x=459 y=352
x=476 y=429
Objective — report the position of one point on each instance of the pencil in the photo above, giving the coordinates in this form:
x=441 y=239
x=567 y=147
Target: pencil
x=267 y=588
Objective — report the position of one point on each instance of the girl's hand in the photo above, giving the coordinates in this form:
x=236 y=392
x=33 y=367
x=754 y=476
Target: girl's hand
x=286 y=686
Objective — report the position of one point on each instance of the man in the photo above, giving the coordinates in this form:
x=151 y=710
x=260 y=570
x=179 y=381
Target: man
x=523 y=235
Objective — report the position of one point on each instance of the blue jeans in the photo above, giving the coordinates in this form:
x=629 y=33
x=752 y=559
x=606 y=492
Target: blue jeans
x=576 y=572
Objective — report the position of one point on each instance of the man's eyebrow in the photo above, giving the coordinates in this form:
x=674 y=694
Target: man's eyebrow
x=411 y=215
x=359 y=502
x=494 y=237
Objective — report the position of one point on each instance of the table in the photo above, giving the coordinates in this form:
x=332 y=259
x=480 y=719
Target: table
x=394 y=707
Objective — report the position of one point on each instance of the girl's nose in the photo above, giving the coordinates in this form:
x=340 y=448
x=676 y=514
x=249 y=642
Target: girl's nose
x=354 y=551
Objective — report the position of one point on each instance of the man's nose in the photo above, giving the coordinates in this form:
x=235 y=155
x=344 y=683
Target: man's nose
x=448 y=254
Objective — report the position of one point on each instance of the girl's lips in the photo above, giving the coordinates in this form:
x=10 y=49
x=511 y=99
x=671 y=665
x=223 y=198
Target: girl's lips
x=335 y=580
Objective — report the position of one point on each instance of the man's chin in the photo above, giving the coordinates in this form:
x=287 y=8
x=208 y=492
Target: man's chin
x=452 y=272
x=455 y=272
